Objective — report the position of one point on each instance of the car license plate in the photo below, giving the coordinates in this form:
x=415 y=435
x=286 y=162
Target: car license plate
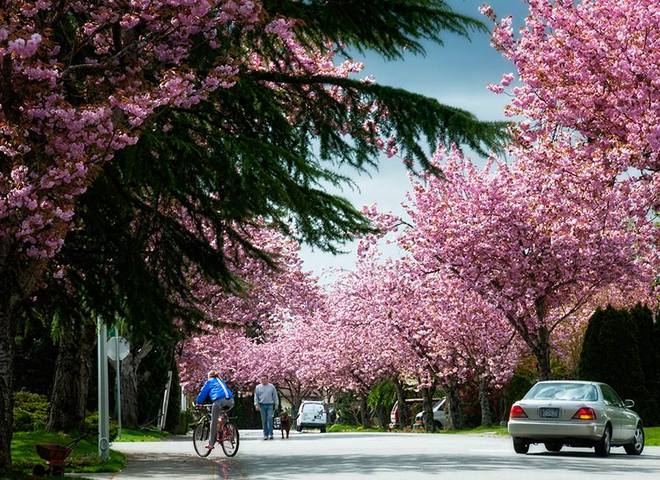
x=549 y=412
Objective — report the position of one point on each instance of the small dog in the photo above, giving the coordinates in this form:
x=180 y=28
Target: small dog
x=285 y=423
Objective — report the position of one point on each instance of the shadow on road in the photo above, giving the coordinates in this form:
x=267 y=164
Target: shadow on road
x=322 y=466
x=590 y=454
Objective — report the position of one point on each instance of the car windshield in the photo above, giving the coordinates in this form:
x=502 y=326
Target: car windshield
x=562 y=391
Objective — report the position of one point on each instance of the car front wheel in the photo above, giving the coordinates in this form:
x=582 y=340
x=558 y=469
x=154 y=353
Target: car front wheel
x=604 y=444
x=520 y=445
x=637 y=445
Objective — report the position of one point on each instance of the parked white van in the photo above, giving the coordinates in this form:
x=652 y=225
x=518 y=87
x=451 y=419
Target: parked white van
x=312 y=414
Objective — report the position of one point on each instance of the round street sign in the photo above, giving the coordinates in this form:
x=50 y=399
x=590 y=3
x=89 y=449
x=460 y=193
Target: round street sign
x=124 y=348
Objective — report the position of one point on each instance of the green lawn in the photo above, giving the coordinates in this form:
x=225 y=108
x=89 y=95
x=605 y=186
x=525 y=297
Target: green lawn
x=652 y=436
x=83 y=458
x=135 y=435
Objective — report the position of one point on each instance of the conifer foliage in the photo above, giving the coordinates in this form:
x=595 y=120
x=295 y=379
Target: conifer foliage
x=618 y=350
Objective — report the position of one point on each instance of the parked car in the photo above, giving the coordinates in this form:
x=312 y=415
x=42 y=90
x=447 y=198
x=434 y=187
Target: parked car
x=312 y=414
x=395 y=414
x=577 y=414
x=439 y=415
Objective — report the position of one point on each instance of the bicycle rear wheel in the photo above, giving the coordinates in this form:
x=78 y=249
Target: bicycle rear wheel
x=230 y=440
x=201 y=438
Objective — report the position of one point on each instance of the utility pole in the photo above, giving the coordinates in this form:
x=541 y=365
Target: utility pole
x=103 y=400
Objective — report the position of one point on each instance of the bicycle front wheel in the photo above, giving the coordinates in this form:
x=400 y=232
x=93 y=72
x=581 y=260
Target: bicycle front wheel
x=201 y=438
x=230 y=440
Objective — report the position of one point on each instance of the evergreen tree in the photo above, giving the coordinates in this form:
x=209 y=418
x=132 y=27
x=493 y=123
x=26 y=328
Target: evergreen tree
x=613 y=353
x=649 y=407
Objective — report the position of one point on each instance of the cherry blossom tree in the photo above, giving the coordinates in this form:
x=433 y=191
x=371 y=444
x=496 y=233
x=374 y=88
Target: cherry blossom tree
x=273 y=296
x=455 y=337
x=385 y=319
x=530 y=241
x=437 y=331
x=283 y=355
x=588 y=90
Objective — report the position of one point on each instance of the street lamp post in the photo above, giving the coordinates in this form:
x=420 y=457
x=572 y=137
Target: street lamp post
x=103 y=400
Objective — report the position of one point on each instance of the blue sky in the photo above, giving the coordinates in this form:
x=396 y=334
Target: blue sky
x=456 y=74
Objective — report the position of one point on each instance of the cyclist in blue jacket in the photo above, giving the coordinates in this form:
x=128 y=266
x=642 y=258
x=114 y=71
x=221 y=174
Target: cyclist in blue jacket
x=222 y=397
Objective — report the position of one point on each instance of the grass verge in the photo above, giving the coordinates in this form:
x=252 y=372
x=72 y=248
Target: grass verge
x=84 y=457
x=343 y=427
x=138 y=435
x=652 y=436
x=495 y=430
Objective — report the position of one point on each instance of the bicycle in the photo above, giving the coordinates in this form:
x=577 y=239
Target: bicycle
x=227 y=435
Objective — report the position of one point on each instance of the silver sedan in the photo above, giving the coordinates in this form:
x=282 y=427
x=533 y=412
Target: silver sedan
x=577 y=414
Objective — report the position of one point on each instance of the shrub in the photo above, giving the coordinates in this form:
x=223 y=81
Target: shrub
x=30 y=412
x=184 y=420
x=92 y=425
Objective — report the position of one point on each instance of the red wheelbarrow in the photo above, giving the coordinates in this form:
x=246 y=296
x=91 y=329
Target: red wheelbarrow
x=55 y=455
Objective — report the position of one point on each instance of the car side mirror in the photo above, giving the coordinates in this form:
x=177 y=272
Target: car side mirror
x=628 y=403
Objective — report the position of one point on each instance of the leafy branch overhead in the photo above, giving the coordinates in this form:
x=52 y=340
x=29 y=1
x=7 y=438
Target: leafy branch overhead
x=389 y=27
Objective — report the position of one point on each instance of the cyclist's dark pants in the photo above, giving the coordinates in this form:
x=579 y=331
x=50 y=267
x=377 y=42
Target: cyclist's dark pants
x=218 y=406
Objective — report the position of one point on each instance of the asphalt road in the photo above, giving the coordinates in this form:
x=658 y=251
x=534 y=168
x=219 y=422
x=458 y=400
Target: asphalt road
x=336 y=456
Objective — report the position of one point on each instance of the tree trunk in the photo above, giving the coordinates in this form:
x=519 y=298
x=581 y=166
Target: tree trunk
x=455 y=415
x=72 y=372
x=129 y=393
x=364 y=412
x=18 y=279
x=484 y=400
x=295 y=406
x=541 y=345
x=542 y=354
x=381 y=415
x=404 y=410
x=7 y=333
x=427 y=406
x=129 y=384
x=295 y=397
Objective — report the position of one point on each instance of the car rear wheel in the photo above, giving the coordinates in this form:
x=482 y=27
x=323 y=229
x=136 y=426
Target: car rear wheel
x=604 y=444
x=553 y=446
x=520 y=445
x=637 y=445
x=322 y=429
